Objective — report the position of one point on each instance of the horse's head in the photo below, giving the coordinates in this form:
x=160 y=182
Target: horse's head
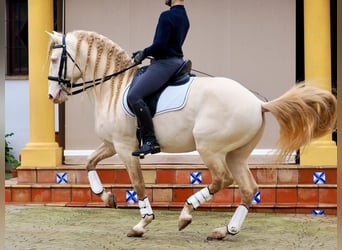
x=88 y=56
x=62 y=64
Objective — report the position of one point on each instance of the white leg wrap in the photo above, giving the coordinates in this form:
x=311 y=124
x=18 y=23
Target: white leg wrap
x=200 y=197
x=145 y=207
x=237 y=220
x=95 y=183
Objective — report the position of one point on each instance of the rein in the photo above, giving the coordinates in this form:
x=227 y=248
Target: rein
x=66 y=84
x=257 y=94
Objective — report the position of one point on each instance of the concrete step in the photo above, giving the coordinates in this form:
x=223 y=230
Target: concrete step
x=178 y=174
x=283 y=188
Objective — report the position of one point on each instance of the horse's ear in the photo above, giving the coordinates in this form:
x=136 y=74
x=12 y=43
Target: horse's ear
x=57 y=33
x=49 y=33
x=54 y=36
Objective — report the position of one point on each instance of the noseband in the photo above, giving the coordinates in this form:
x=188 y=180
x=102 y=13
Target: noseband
x=65 y=84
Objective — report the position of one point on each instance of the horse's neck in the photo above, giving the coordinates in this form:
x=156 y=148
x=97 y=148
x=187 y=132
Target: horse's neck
x=107 y=94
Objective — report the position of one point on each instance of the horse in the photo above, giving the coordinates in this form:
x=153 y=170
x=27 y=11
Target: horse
x=221 y=119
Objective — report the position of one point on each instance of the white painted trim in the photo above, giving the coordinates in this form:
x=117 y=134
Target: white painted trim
x=86 y=152
x=257 y=156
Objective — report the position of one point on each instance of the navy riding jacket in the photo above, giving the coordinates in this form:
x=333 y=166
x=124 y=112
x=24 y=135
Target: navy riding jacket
x=172 y=28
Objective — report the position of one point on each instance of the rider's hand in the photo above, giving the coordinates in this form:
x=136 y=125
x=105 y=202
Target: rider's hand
x=138 y=56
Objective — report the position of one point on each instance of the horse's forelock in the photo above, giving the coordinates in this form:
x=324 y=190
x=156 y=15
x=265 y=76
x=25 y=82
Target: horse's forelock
x=50 y=46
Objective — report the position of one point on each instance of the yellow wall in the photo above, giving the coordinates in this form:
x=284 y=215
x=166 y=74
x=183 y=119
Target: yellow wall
x=318 y=73
x=42 y=150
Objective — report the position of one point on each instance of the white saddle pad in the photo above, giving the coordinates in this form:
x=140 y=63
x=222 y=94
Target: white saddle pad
x=171 y=99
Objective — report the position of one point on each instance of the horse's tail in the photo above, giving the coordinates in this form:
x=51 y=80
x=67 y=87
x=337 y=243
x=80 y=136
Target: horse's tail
x=303 y=113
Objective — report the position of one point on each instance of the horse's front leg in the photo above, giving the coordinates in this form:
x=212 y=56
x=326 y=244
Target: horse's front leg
x=104 y=151
x=134 y=170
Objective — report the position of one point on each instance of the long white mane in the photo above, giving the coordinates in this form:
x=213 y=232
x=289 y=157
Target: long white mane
x=98 y=56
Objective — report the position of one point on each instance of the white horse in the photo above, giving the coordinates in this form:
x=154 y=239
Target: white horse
x=222 y=120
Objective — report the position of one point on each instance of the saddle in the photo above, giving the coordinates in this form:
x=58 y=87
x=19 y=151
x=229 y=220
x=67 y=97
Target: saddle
x=180 y=77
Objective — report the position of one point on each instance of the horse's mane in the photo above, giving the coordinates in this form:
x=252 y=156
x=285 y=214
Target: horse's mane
x=102 y=47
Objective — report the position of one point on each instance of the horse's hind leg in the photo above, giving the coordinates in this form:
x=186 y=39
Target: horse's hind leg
x=248 y=187
x=238 y=166
x=221 y=177
x=104 y=151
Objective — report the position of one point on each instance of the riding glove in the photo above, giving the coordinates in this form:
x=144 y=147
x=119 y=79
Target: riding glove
x=138 y=56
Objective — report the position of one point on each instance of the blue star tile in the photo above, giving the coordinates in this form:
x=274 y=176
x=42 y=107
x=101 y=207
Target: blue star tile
x=196 y=177
x=257 y=198
x=317 y=212
x=319 y=178
x=131 y=196
x=62 y=178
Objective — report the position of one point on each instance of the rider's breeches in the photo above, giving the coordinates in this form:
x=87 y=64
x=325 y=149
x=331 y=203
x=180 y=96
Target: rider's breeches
x=155 y=77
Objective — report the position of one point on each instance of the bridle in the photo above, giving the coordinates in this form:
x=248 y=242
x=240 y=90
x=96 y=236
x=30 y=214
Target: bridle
x=65 y=84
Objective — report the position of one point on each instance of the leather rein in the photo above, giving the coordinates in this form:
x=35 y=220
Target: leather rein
x=65 y=84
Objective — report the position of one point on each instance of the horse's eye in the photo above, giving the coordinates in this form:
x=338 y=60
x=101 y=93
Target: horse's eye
x=53 y=60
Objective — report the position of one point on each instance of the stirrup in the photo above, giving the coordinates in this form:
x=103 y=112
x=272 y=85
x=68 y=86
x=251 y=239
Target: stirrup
x=147 y=148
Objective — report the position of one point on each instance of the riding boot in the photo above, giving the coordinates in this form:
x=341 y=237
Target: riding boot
x=150 y=144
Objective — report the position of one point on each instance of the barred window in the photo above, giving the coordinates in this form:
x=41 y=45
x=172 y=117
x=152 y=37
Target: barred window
x=17 y=37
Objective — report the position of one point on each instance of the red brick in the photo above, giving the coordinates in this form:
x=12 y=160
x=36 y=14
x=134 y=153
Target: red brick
x=162 y=195
x=305 y=176
x=41 y=195
x=107 y=176
x=27 y=175
x=82 y=177
x=224 y=196
x=286 y=195
x=181 y=194
x=327 y=195
x=165 y=176
x=46 y=176
x=8 y=194
x=287 y=176
x=266 y=176
x=122 y=177
x=61 y=194
x=95 y=198
x=330 y=211
x=267 y=195
x=80 y=194
x=331 y=176
x=183 y=176
x=21 y=194
x=206 y=177
x=120 y=195
x=303 y=210
x=285 y=210
x=308 y=195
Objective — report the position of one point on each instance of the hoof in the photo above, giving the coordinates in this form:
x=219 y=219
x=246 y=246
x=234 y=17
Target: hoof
x=209 y=238
x=112 y=201
x=133 y=233
x=183 y=224
x=217 y=234
x=109 y=199
x=233 y=231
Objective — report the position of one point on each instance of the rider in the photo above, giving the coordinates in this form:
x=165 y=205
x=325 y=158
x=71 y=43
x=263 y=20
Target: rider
x=172 y=28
